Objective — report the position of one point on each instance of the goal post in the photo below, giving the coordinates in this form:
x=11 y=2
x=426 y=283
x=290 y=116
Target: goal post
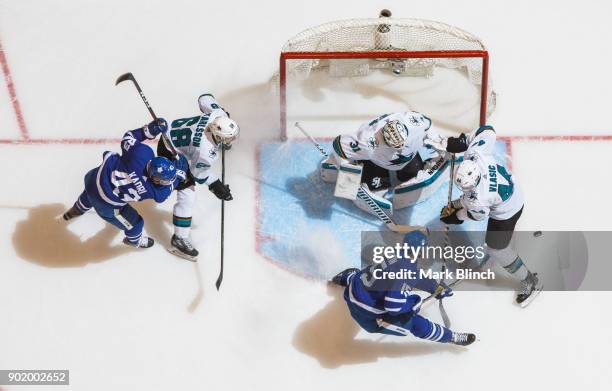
x=356 y=48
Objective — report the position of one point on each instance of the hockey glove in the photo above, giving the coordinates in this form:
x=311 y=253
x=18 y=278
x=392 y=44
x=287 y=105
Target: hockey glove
x=457 y=144
x=448 y=215
x=221 y=191
x=443 y=290
x=156 y=127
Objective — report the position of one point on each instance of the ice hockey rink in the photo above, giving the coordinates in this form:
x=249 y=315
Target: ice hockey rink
x=73 y=297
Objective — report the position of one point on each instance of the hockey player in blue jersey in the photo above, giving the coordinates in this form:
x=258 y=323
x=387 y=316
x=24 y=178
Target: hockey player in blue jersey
x=388 y=306
x=133 y=176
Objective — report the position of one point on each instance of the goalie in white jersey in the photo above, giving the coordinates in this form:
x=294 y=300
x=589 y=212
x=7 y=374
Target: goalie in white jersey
x=200 y=139
x=489 y=192
x=385 y=153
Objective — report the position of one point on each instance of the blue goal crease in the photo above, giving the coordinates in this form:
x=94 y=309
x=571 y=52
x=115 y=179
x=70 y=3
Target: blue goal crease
x=300 y=217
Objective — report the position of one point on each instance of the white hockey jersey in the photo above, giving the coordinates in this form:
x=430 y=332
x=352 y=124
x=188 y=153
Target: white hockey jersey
x=367 y=145
x=497 y=195
x=189 y=138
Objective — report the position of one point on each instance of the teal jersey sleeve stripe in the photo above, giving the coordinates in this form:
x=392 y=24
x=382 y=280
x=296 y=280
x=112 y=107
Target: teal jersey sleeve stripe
x=338 y=148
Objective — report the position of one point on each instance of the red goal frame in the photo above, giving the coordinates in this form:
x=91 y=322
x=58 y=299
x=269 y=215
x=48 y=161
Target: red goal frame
x=390 y=54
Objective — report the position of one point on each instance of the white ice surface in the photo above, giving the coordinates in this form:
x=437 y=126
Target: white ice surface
x=143 y=320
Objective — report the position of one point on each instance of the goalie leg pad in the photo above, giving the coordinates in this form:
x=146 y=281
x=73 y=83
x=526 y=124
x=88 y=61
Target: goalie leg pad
x=328 y=170
x=423 y=185
x=349 y=181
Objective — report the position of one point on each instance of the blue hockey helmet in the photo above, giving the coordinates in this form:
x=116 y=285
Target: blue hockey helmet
x=415 y=239
x=161 y=171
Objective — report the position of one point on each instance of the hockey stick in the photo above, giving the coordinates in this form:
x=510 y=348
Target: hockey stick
x=220 y=278
x=166 y=139
x=363 y=195
x=443 y=314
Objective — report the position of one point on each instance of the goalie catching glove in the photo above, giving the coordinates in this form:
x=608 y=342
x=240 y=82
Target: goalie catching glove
x=221 y=191
x=452 y=144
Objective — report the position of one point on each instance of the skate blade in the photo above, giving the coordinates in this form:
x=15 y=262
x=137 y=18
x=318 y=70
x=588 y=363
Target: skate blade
x=531 y=297
x=179 y=254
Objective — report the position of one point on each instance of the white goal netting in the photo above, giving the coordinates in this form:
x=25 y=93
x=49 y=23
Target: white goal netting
x=416 y=48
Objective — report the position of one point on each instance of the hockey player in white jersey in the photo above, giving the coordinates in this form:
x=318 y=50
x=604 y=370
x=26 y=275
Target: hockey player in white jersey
x=200 y=139
x=385 y=152
x=489 y=192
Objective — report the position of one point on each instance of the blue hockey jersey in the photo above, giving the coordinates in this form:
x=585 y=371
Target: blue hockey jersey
x=374 y=297
x=123 y=178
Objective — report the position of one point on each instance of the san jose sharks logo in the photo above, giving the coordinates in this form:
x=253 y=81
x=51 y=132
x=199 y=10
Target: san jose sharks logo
x=212 y=153
x=401 y=159
x=414 y=120
x=372 y=143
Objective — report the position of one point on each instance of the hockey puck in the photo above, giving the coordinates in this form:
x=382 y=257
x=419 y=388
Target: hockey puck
x=537 y=234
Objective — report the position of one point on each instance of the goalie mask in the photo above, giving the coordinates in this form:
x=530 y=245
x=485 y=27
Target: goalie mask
x=395 y=134
x=224 y=130
x=467 y=175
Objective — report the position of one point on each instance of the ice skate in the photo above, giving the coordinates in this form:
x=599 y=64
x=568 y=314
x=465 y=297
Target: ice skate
x=463 y=339
x=342 y=278
x=182 y=247
x=143 y=242
x=72 y=213
x=530 y=287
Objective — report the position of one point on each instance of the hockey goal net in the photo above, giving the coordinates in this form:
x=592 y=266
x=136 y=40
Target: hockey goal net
x=384 y=49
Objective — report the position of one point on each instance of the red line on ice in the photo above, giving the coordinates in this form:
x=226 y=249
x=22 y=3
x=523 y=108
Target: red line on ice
x=23 y=130
x=64 y=141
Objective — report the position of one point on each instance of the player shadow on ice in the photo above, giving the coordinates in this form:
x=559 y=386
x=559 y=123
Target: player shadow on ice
x=318 y=201
x=313 y=195
x=331 y=337
x=44 y=238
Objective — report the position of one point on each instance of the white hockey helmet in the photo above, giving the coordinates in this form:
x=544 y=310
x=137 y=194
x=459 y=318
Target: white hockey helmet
x=224 y=130
x=467 y=175
x=395 y=134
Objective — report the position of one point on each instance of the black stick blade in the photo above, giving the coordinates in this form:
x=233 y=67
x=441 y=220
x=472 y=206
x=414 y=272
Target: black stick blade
x=219 y=280
x=124 y=77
